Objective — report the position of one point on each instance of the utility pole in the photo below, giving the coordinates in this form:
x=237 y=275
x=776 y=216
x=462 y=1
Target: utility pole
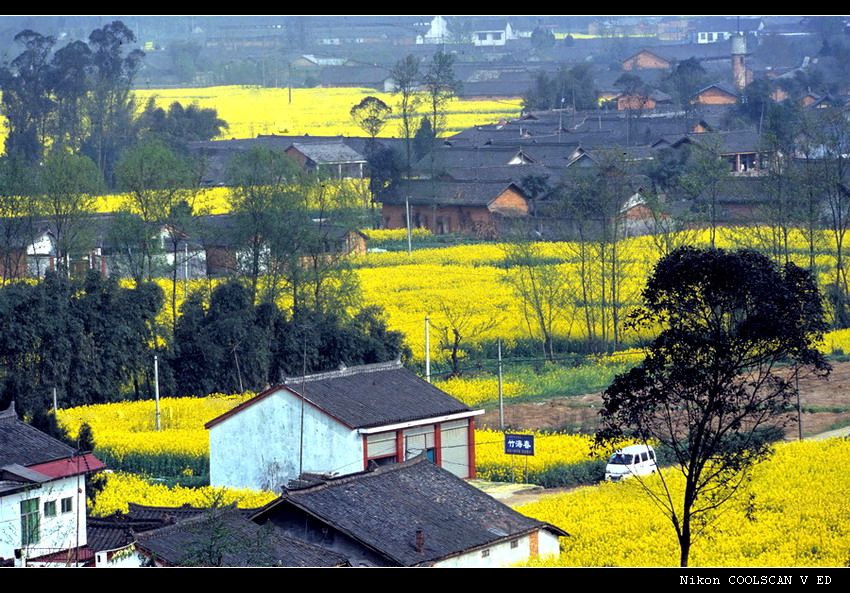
x=156 y=387
x=428 y=348
x=501 y=400
x=55 y=407
x=409 y=237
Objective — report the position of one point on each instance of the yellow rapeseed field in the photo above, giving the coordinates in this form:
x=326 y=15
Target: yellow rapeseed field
x=125 y=432
x=549 y=450
x=123 y=488
x=794 y=513
x=475 y=391
x=251 y=111
x=472 y=280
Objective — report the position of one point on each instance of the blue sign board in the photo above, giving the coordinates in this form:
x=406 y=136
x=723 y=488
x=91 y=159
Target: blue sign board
x=519 y=444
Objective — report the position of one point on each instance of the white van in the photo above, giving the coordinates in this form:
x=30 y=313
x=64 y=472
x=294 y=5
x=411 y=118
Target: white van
x=634 y=460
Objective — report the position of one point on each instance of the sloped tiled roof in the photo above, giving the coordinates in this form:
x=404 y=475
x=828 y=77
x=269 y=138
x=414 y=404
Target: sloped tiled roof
x=446 y=192
x=366 y=396
x=383 y=509
x=24 y=445
x=196 y=541
x=329 y=152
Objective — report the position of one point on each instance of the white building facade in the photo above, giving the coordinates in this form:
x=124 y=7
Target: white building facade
x=344 y=422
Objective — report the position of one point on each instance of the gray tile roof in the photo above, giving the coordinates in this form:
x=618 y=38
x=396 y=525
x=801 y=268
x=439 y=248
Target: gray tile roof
x=383 y=509
x=24 y=445
x=375 y=395
x=329 y=152
x=445 y=192
x=196 y=541
x=370 y=76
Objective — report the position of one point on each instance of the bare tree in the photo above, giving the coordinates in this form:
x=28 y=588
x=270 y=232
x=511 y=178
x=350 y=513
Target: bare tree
x=544 y=292
x=459 y=324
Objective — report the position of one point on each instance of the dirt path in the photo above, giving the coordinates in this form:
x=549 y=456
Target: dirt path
x=826 y=405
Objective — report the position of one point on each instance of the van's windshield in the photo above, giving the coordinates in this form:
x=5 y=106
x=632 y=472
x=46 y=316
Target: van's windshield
x=621 y=459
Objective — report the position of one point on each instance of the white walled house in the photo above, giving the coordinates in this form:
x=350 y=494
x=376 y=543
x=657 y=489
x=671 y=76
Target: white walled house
x=42 y=496
x=409 y=514
x=437 y=33
x=492 y=32
x=347 y=420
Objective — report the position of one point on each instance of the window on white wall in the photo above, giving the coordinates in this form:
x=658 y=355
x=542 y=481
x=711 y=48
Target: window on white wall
x=30 y=522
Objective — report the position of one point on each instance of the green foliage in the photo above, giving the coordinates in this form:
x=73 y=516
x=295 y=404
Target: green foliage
x=155 y=179
x=371 y=115
x=573 y=86
x=77 y=99
x=87 y=338
x=178 y=126
x=234 y=345
x=686 y=78
x=423 y=141
x=709 y=380
x=68 y=184
x=542 y=39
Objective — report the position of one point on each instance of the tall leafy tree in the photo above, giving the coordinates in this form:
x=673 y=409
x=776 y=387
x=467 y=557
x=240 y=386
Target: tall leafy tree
x=406 y=79
x=27 y=103
x=17 y=213
x=371 y=115
x=262 y=200
x=156 y=180
x=710 y=381
x=440 y=85
x=110 y=104
x=69 y=184
x=70 y=79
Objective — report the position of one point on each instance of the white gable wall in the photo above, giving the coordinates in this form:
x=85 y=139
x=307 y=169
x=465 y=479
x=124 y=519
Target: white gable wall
x=258 y=447
x=55 y=533
x=504 y=553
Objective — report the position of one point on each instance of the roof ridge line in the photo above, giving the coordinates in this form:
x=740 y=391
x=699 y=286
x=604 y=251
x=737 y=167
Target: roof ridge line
x=345 y=372
x=346 y=478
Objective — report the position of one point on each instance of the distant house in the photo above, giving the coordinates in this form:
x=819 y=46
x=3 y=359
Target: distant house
x=222 y=248
x=32 y=248
x=664 y=57
x=740 y=148
x=42 y=496
x=357 y=76
x=437 y=33
x=410 y=514
x=648 y=101
x=715 y=94
x=445 y=206
x=335 y=159
x=338 y=423
x=717 y=28
x=492 y=32
x=646 y=59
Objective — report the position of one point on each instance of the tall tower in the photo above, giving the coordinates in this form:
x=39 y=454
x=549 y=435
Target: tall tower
x=739 y=68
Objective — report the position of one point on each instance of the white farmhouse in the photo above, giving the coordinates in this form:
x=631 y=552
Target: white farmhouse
x=338 y=423
x=42 y=496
